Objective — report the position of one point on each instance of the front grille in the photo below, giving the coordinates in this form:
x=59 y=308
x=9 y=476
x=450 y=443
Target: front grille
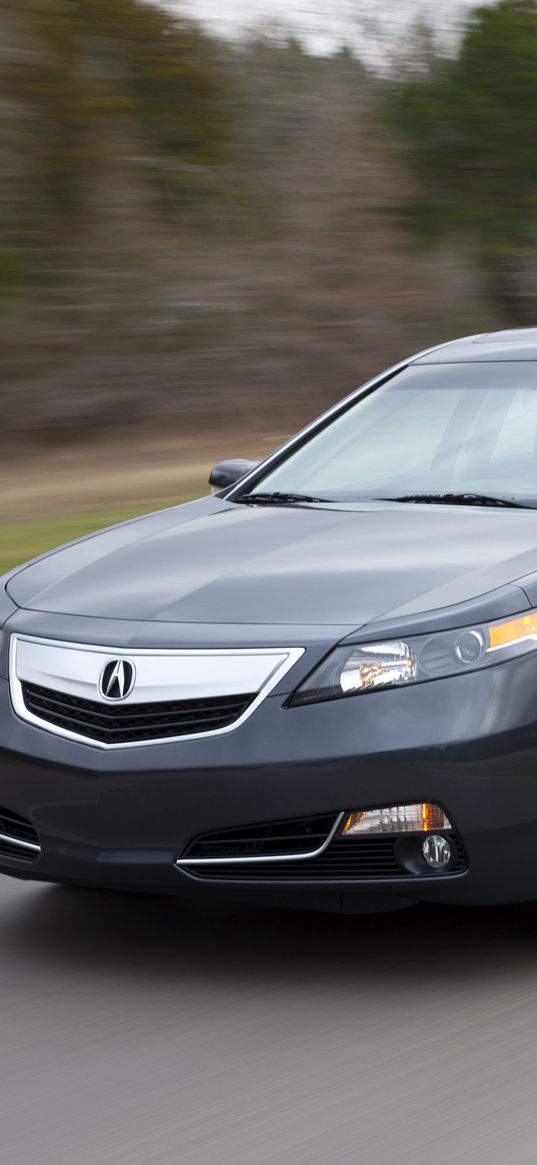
x=344 y=860
x=128 y=723
x=303 y=835
x=13 y=830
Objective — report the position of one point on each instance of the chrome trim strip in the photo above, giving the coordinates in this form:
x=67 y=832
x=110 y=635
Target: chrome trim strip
x=271 y=858
x=284 y=659
x=30 y=845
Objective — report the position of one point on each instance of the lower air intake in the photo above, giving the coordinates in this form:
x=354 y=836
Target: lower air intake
x=18 y=838
x=304 y=835
x=343 y=860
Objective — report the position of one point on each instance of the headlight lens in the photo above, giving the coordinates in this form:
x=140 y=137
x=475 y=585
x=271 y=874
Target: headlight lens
x=378 y=665
x=352 y=670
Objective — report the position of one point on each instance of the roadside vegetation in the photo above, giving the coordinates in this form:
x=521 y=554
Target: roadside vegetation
x=23 y=540
x=218 y=240
x=465 y=126
x=198 y=231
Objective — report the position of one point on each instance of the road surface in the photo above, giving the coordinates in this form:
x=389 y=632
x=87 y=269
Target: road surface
x=143 y=1031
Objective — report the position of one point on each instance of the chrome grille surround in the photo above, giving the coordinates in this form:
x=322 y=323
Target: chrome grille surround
x=162 y=675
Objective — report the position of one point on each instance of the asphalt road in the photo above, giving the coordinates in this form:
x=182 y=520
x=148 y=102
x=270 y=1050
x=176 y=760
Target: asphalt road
x=140 y=1031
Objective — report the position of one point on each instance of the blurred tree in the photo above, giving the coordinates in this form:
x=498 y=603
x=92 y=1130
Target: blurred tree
x=467 y=125
x=135 y=151
x=101 y=97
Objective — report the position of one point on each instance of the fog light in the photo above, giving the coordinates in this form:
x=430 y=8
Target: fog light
x=396 y=819
x=436 y=851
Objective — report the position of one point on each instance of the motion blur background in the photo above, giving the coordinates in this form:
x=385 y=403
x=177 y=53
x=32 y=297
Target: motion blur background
x=218 y=218
x=215 y=220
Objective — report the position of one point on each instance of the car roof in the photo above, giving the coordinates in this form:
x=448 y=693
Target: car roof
x=488 y=347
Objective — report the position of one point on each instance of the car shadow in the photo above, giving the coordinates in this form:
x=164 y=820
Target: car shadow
x=142 y=936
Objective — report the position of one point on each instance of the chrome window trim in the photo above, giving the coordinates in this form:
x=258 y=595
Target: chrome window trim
x=285 y=659
x=180 y=862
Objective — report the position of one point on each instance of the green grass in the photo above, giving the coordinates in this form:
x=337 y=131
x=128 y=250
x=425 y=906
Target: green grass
x=27 y=539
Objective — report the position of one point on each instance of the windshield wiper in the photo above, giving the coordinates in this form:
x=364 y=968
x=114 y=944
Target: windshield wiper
x=439 y=499
x=462 y=499
x=274 y=499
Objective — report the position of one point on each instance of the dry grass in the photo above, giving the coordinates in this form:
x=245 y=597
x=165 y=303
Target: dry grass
x=52 y=496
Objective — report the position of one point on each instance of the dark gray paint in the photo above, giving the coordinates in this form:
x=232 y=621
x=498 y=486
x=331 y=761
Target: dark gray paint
x=213 y=573
x=213 y=562
x=517 y=345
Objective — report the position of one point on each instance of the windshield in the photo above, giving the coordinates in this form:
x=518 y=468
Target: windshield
x=453 y=428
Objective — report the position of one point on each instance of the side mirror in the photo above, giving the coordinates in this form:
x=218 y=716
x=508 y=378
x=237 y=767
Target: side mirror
x=226 y=473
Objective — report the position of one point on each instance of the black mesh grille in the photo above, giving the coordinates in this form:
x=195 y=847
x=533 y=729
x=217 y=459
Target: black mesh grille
x=20 y=829
x=113 y=724
x=304 y=835
x=345 y=859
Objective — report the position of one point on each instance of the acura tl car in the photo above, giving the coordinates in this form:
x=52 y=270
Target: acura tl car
x=316 y=687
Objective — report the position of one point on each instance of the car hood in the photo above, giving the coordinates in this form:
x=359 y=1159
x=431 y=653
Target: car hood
x=214 y=562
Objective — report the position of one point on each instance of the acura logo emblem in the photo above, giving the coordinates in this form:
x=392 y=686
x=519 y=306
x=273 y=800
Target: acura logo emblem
x=117 y=679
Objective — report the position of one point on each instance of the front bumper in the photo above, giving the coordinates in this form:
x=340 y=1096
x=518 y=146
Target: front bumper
x=122 y=819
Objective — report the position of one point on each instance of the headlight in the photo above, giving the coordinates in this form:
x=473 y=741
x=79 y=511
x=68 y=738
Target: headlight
x=349 y=671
